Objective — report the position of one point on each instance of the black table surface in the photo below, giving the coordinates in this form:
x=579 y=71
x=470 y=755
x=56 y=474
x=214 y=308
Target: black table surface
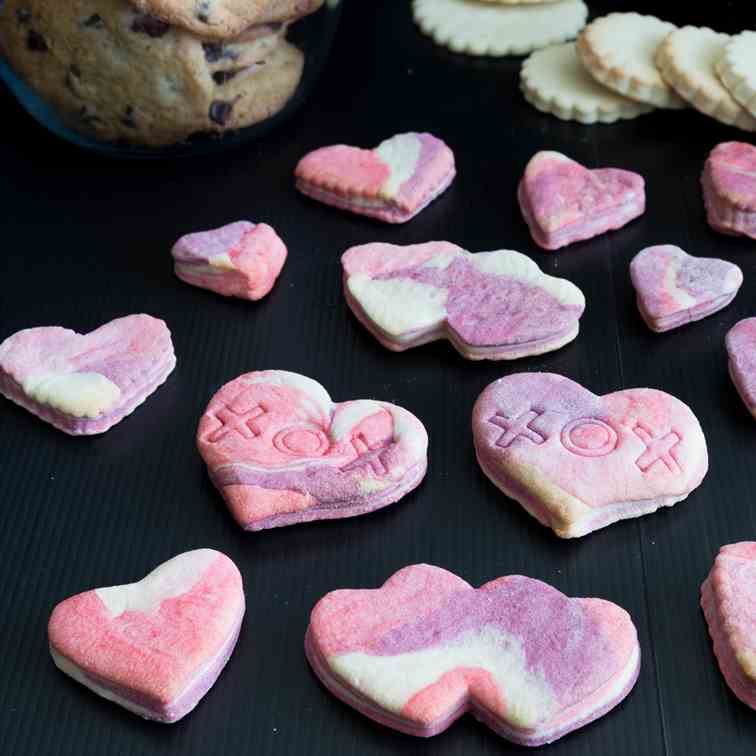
x=87 y=239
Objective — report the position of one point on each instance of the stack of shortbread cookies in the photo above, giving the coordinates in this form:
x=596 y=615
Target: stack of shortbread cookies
x=626 y=64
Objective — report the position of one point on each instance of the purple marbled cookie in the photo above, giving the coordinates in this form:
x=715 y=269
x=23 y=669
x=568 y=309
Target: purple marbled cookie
x=525 y=659
x=84 y=384
x=741 y=348
x=675 y=288
x=490 y=305
x=729 y=188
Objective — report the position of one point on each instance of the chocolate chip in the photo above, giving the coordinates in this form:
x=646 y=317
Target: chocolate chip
x=153 y=27
x=23 y=16
x=213 y=51
x=203 y=11
x=75 y=71
x=36 y=42
x=221 y=77
x=128 y=118
x=94 y=22
x=220 y=112
x=90 y=119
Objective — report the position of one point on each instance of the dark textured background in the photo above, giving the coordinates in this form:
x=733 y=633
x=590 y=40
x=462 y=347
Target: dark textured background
x=86 y=240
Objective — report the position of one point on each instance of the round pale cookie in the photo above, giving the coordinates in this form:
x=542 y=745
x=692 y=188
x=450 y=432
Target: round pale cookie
x=687 y=60
x=737 y=69
x=554 y=81
x=519 y=2
x=618 y=50
x=485 y=28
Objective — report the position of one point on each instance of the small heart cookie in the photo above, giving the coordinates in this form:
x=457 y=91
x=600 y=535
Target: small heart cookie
x=729 y=189
x=281 y=452
x=741 y=349
x=238 y=260
x=728 y=599
x=578 y=462
x=392 y=183
x=490 y=305
x=675 y=288
x=564 y=202
x=84 y=384
x=157 y=646
x=523 y=658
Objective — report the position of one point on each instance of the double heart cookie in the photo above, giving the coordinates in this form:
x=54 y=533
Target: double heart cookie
x=419 y=652
x=157 y=646
x=741 y=349
x=281 y=452
x=675 y=288
x=578 y=462
x=490 y=305
x=564 y=202
x=729 y=188
x=85 y=383
x=728 y=599
x=393 y=182
x=238 y=260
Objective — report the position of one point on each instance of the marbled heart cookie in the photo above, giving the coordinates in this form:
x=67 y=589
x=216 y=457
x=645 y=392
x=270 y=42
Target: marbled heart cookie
x=155 y=647
x=729 y=189
x=741 y=349
x=84 y=384
x=490 y=305
x=675 y=288
x=238 y=260
x=523 y=658
x=563 y=202
x=392 y=182
x=728 y=599
x=578 y=462
x=281 y=452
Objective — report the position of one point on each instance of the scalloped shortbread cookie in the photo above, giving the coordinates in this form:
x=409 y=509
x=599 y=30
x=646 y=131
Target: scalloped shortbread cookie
x=485 y=28
x=737 y=69
x=554 y=81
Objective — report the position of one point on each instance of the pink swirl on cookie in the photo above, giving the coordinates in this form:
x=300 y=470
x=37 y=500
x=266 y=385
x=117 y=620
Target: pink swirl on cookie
x=281 y=452
x=741 y=349
x=425 y=648
x=490 y=305
x=729 y=188
x=563 y=202
x=157 y=646
x=675 y=288
x=392 y=182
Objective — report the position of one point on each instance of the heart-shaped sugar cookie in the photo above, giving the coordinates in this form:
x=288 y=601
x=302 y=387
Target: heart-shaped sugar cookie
x=281 y=452
x=741 y=349
x=729 y=188
x=392 y=182
x=564 y=202
x=675 y=288
x=490 y=305
x=157 y=646
x=85 y=383
x=418 y=653
x=578 y=462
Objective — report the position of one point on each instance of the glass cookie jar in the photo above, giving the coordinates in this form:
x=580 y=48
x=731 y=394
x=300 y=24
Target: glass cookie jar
x=163 y=78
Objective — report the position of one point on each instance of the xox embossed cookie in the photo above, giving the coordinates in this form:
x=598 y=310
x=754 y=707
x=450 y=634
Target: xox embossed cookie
x=675 y=288
x=578 y=462
x=84 y=384
x=392 y=182
x=729 y=189
x=280 y=451
x=157 y=646
x=564 y=202
x=238 y=260
x=741 y=349
x=490 y=305
x=523 y=658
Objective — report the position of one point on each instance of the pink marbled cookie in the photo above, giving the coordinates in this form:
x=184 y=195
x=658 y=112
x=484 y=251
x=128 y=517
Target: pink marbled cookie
x=578 y=462
x=491 y=305
x=418 y=653
x=675 y=288
x=281 y=452
x=157 y=646
x=84 y=384
x=564 y=202
x=238 y=260
x=729 y=188
x=741 y=349
x=392 y=182
x=728 y=599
